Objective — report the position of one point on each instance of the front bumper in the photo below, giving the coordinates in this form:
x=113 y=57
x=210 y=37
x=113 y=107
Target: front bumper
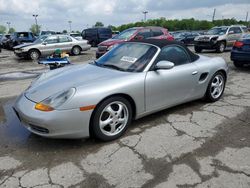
x=206 y=44
x=71 y=123
x=20 y=53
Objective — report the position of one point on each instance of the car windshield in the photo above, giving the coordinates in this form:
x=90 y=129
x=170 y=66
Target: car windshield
x=217 y=31
x=40 y=39
x=125 y=35
x=129 y=57
x=179 y=35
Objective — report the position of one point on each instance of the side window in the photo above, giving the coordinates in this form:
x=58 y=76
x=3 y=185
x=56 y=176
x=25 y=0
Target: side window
x=145 y=33
x=157 y=32
x=237 y=30
x=231 y=29
x=174 y=54
x=245 y=29
x=51 y=40
x=64 y=39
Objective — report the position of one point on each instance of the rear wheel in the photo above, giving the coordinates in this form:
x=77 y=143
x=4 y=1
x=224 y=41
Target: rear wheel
x=197 y=49
x=216 y=87
x=238 y=64
x=111 y=118
x=34 y=54
x=76 y=50
x=220 y=47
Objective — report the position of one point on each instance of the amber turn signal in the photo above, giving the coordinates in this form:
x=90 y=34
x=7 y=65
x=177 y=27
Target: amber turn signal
x=43 y=107
x=85 y=108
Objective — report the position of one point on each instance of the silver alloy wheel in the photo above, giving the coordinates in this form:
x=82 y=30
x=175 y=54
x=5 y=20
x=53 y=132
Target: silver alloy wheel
x=114 y=118
x=76 y=51
x=222 y=47
x=34 y=55
x=217 y=86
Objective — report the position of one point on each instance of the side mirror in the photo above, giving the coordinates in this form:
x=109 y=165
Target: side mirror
x=231 y=32
x=164 y=65
x=44 y=43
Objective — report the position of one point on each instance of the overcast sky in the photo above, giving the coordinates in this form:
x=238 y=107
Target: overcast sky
x=55 y=14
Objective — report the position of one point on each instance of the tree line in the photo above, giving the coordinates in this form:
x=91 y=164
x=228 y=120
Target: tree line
x=184 y=24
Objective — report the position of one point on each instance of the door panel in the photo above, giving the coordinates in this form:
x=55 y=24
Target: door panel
x=164 y=88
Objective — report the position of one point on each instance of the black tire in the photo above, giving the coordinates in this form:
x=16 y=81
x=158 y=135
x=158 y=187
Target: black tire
x=197 y=49
x=209 y=96
x=34 y=54
x=220 y=48
x=99 y=113
x=238 y=64
x=76 y=50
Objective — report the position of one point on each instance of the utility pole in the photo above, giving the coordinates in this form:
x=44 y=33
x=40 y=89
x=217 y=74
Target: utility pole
x=8 y=23
x=69 y=26
x=145 y=15
x=247 y=17
x=35 y=16
x=214 y=15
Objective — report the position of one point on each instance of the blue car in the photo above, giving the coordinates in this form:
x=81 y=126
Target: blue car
x=240 y=53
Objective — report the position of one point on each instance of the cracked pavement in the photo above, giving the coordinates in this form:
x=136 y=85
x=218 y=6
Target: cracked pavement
x=197 y=144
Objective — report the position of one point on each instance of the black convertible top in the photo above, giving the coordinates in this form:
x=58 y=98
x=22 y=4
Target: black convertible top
x=162 y=43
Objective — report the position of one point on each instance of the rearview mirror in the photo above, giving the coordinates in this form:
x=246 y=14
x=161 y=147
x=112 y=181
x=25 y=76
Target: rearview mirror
x=138 y=37
x=164 y=65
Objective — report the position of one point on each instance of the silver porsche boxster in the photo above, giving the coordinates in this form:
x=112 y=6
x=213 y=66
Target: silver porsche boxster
x=132 y=80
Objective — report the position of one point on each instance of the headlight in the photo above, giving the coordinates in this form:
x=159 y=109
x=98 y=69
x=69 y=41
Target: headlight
x=54 y=101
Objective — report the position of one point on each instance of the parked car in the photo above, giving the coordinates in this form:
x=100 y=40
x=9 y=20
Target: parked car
x=47 y=33
x=19 y=38
x=240 y=53
x=4 y=40
x=136 y=33
x=77 y=36
x=186 y=37
x=47 y=44
x=132 y=80
x=96 y=35
x=219 y=38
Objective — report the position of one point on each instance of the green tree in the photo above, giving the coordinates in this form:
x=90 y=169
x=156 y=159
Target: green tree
x=12 y=30
x=99 y=24
x=64 y=31
x=2 y=29
x=33 y=28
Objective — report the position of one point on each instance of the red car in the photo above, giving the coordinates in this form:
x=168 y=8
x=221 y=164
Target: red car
x=135 y=33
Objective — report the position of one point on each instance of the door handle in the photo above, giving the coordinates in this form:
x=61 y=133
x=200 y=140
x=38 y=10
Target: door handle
x=194 y=73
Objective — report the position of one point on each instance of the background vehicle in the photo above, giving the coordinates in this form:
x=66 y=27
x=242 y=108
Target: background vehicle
x=4 y=40
x=46 y=45
x=19 y=38
x=136 y=33
x=240 y=53
x=77 y=36
x=186 y=37
x=131 y=81
x=96 y=35
x=219 y=38
x=47 y=33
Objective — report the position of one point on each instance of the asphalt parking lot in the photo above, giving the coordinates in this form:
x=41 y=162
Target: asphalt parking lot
x=192 y=145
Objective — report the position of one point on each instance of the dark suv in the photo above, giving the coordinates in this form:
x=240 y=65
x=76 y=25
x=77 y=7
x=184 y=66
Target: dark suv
x=96 y=35
x=19 y=38
x=135 y=33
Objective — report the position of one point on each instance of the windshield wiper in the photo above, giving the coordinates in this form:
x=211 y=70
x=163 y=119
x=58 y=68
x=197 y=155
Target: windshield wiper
x=113 y=67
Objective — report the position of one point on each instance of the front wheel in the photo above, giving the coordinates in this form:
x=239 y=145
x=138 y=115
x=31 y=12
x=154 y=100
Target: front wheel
x=111 y=118
x=34 y=54
x=221 y=47
x=216 y=87
x=197 y=49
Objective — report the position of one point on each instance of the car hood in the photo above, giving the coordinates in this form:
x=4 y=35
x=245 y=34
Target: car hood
x=23 y=45
x=111 y=42
x=65 y=78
